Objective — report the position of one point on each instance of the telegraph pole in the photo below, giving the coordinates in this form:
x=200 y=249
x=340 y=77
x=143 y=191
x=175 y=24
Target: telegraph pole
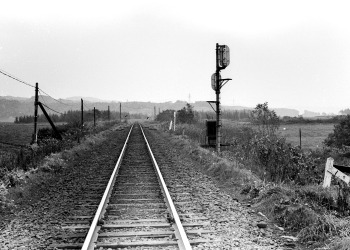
x=95 y=117
x=120 y=112
x=35 y=137
x=82 y=114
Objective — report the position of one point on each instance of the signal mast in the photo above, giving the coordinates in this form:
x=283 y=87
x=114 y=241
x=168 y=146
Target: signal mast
x=222 y=61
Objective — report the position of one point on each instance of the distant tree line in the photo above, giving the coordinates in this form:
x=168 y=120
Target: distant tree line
x=188 y=115
x=73 y=116
x=302 y=120
x=234 y=115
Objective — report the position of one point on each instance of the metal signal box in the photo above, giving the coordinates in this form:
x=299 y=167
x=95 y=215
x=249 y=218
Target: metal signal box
x=211 y=132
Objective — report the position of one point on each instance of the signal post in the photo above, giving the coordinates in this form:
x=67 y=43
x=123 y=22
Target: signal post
x=222 y=61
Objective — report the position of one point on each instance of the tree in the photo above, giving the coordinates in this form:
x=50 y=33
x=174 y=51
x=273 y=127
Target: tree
x=186 y=114
x=345 y=112
x=266 y=120
x=340 y=135
x=166 y=115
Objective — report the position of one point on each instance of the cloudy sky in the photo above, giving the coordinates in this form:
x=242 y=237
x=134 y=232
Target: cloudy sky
x=292 y=54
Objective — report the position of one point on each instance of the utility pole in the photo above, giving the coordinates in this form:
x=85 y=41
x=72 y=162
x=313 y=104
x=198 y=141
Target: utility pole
x=35 y=136
x=108 y=114
x=120 y=112
x=82 y=114
x=155 y=112
x=95 y=117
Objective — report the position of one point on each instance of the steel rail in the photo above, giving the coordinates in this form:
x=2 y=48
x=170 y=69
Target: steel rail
x=180 y=233
x=90 y=240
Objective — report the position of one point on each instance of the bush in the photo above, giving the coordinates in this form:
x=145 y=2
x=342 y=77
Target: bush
x=340 y=135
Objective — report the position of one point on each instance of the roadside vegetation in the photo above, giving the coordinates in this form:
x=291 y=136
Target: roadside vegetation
x=48 y=155
x=289 y=188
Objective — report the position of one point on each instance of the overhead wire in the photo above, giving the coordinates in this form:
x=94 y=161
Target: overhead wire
x=15 y=78
x=45 y=104
x=55 y=98
x=30 y=85
x=52 y=109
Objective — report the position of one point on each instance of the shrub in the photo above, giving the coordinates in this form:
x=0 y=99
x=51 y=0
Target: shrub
x=340 y=135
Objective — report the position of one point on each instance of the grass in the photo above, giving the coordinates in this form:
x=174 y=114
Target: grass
x=18 y=133
x=310 y=212
x=312 y=135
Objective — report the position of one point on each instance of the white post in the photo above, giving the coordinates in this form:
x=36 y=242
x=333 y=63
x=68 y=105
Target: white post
x=174 y=119
x=170 y=125
x=327 y=172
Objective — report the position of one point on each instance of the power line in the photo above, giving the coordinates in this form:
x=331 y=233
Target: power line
x=15 y=78
x=87 y=106
x=56 y=99
x=52 y=109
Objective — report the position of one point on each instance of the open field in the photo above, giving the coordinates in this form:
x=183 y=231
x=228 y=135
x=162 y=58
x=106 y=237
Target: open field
x=312 y=135
x=18 y=133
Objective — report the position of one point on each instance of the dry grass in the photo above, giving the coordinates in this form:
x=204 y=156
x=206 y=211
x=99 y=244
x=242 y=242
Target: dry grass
x=18 y=133
x=341 y=244
x=51 y=164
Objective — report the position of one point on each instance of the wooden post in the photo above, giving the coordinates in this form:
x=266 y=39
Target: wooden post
x=108 y=114
x=95 y=116
x=300 y=137
x=35 y=135
x=174 y=119
x=120 y=112
x=50 y=121
x=327 y=174
x=82 y=114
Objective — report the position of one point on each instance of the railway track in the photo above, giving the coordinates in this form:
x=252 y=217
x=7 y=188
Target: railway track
x=136 y=210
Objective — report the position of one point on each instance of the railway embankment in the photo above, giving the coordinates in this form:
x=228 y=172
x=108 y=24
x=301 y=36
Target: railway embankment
x=300 y=216
x=201 y=184
x=45 y=197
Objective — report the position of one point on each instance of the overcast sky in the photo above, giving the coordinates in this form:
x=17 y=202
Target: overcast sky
x=292 y=54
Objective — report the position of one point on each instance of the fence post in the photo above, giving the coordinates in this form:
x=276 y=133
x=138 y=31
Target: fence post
x=327 y=175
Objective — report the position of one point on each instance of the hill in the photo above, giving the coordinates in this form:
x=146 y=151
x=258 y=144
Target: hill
x=10 y=107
